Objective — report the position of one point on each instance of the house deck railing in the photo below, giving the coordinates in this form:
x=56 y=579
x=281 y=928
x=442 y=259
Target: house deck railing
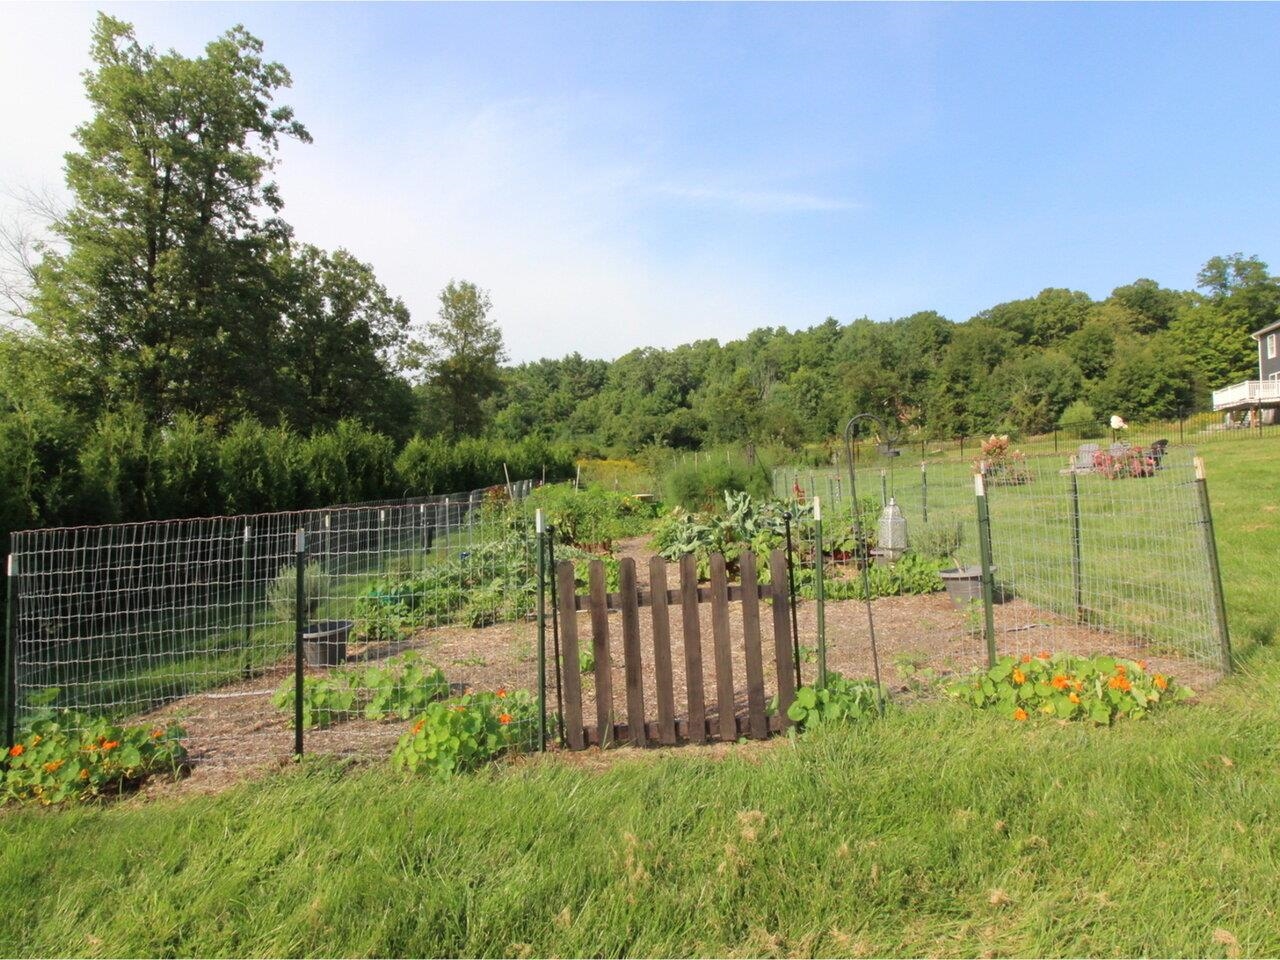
x=1248 y=394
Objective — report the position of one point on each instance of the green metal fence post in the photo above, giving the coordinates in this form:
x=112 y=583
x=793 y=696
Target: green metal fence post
x=984 y=552
x=820 y=593
x=1077 y=566
x=1215 y=572
x=300 y=618
x=542 y=631
x=791 y=595
x=924 y=490
x=10 y=652
x=246 y=604
x=555 y=634
x=884 y=489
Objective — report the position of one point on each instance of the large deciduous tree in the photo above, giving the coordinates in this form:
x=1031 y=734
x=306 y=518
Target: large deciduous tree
x=165 y=296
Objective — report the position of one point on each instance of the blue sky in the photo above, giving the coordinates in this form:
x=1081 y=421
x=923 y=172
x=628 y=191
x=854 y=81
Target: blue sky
x=630 y=175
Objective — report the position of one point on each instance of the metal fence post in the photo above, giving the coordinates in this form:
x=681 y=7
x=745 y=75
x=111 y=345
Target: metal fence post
x=542 y=630
x=300 y=616
x=10 y=652
x=791 y=594
x=984 y=552
x=1077 y=567
x=246 y=605
x=924 y=490
x=1215 y=572
x=820 y=593
x=555 y=634
x=884 y=489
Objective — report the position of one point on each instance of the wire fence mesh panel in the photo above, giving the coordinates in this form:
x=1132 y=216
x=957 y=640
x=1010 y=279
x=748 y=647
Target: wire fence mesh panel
x=1106 y=557
x=197 y=621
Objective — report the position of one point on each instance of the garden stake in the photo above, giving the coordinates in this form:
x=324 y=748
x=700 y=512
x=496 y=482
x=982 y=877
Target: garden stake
x=10 y=654
x=884 y=489
x=300 y=612
x=246 y=610
x=820 y=593
x=791 y=592
x=860 y=542
x=984 y=552
x=924 y=490
x=542 y=632
x=1077 y=568
x=1215 y=572
x=555 y=631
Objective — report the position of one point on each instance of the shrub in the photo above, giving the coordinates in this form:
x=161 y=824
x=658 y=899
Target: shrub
x=938 y=541
x=115 y=460
x=460 y=734
x=590 y=517
x=1080 y=422
x=1097 y=689
x=62 y=756
x=434 y=466
x=1132 y=462
x=347 y=464
x=701 y=486
x=282 y=592
x=259 y=468
x=1001 y=464
x=184 y=473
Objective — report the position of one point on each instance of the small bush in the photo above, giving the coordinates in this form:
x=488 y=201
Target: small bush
x=841 y=700
x=1080 y=422
x=701 y=486
x=590 y=517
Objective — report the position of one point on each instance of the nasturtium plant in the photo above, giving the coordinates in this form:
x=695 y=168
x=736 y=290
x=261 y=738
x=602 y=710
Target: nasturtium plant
x=1068 y=687
x=62 y=756
x=452 y=736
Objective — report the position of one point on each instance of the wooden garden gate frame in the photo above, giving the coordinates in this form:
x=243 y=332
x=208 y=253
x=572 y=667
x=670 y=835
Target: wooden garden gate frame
x=695 y=726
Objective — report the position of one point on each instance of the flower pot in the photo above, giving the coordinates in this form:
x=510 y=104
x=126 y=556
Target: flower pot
x=324 y=643
x=963 y=584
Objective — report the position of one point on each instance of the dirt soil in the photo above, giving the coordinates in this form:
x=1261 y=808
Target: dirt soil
x=919 y=639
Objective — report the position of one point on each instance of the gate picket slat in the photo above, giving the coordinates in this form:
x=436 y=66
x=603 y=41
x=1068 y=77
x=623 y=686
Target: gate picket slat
x=783 y=652
x=692 y=648
x=662 y=652
x=565 y=589
x=600 y=650
x=725 y=708
x=758 y=723
x=632 y=665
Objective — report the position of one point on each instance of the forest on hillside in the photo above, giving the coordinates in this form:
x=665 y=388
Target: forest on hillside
x=173 y=348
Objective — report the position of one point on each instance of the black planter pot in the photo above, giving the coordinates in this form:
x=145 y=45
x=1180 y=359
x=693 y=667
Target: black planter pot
x=963 y=584
x=324 y=643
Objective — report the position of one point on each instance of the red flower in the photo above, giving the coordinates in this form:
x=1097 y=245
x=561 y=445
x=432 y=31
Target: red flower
x=504 y=719
x=1020 y=715
x=17 y=750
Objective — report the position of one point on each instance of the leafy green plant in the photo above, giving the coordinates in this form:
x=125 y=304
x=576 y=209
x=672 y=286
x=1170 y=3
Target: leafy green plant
x=938 y=541
x=590 y=517
x=841 y=700
x=63 y=756
x=910 y=575
x=452 y=736
x=1068 y=687
x=395 y=689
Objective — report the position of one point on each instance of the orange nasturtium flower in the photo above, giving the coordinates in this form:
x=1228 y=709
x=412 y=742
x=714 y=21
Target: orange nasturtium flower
x=1160 y=681
x=502 y=691
x=17 y=750
x=110 y=744
x=1120 y=670
x=1142 y=664
x=1019 y=714
x=53 y=765
x=417 y=727
x=157 y=733
x=1026 y=658
x=504 y=719
x=1120 y=683
x=1059 y=682
x=1078 y=684
x=1073 y=697
x=1018 y=676
x=1044 y=655
x=84 y=774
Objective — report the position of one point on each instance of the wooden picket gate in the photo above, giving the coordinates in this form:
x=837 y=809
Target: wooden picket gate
x=696 y=725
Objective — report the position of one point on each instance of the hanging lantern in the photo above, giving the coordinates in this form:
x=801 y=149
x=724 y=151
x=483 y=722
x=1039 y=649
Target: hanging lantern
x=893 y=531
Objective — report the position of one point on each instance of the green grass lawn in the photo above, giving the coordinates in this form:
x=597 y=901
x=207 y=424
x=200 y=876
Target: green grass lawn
x=936 y=831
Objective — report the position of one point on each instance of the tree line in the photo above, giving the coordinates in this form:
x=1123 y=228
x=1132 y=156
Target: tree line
x=175 y=349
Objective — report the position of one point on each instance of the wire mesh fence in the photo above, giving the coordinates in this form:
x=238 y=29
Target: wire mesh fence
x=197 y=621
x=1113 y=558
